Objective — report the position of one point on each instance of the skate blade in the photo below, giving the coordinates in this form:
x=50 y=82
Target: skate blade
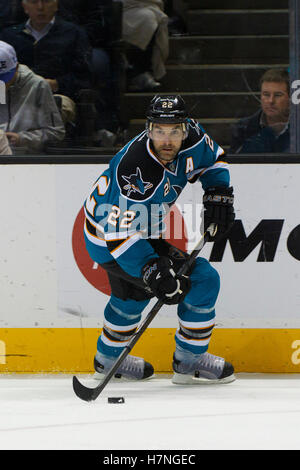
x=100 y=376
x=185 y=379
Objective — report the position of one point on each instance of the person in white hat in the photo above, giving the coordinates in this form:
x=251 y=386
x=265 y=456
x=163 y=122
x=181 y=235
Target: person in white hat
x=28 y=112
x=8 y=62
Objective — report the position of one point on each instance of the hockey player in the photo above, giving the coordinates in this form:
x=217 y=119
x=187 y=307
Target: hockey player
x=123 y=233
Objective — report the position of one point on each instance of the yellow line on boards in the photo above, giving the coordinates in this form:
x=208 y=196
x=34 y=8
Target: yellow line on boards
x=69 y=350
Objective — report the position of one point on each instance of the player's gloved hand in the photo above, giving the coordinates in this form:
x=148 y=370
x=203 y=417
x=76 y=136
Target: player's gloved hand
x=218 y=209
x=158 y=274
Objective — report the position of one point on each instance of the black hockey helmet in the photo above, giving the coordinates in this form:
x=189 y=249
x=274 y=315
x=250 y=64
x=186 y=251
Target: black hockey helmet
x=168 y=109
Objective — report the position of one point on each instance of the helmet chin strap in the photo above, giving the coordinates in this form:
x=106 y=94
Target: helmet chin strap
x=185 y=130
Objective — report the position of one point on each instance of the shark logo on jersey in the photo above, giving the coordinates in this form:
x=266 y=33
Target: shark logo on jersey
x=136 y=184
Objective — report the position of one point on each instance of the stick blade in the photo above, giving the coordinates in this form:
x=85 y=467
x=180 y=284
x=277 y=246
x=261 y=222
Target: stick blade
x=83 y=392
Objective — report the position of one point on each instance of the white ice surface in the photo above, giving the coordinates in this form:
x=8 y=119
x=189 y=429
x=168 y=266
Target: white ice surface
x=257 y=411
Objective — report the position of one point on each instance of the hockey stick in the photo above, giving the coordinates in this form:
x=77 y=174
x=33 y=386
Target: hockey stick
x=90 y=394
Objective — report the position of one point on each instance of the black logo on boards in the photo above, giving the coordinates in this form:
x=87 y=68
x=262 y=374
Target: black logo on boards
x=266 y=234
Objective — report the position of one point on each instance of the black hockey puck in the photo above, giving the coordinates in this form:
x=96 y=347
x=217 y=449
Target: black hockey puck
x=116 y=400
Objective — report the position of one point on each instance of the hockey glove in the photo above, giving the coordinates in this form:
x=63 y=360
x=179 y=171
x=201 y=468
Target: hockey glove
x=218 y=209
x=158 y=274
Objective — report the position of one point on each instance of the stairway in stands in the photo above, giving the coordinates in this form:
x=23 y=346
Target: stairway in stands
x=217 y=66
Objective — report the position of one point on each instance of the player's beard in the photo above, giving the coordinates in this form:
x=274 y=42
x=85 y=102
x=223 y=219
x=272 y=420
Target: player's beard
x=166 y=152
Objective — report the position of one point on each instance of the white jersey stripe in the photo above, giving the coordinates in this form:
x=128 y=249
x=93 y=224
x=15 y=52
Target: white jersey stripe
x=119 y=235
x=125 y=245
x=216 y=166
x=93 y=238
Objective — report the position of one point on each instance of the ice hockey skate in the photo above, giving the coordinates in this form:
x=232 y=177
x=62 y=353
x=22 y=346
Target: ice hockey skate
x=204 y=368
x=132 y=368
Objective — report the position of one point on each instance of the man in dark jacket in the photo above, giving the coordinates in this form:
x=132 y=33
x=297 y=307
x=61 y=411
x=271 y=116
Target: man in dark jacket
x=94 y=16
x=53 y=48
x=266 y=131
x=4 y=12
x=97 y=17
x=11 y=12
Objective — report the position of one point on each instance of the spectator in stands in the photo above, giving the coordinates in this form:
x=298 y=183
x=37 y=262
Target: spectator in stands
x=145 y=28
x=53 y=48
x=4 y=12
x=30 y=117
x=4 y=145
x=95 y=16
x=11 y=12
x=266 y=131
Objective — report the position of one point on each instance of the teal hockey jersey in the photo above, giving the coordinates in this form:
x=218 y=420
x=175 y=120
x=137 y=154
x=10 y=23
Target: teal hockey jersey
x=129 y=201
